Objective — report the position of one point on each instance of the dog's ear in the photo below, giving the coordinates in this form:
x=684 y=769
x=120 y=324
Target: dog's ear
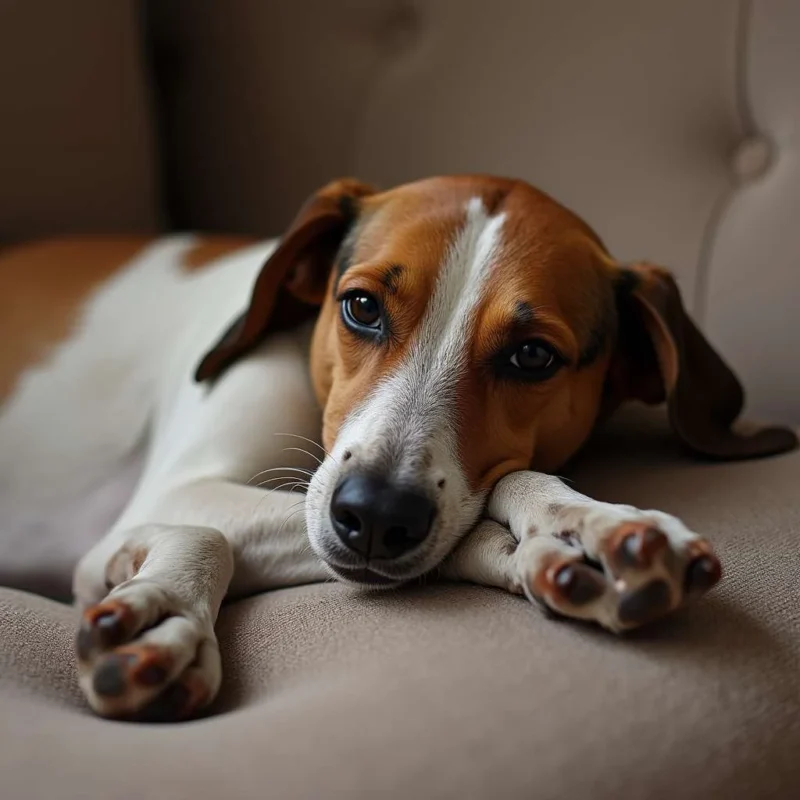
x=661 y=355
x=292 y=281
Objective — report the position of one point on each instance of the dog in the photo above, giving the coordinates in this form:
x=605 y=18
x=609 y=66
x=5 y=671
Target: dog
x=435 y=353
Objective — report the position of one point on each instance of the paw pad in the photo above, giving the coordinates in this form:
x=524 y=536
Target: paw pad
x=110 y=676
x=637 y=546
x=642 y=605
x=702 y=573
x=143 y=666
x=577 y=583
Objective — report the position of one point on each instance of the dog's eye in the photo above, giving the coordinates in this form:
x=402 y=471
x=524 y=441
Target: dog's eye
x=537 y=359
x=362 y=310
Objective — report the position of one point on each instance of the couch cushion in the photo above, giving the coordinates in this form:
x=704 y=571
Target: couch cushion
x=443 y=691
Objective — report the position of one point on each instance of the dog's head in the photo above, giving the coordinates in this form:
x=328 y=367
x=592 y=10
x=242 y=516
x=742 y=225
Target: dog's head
x=469 y=327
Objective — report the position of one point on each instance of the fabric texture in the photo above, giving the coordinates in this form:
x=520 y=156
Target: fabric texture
x=444 y=690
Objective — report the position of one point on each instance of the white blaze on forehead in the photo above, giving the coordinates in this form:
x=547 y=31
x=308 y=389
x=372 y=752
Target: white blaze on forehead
x=414 y=406
x=449 y=316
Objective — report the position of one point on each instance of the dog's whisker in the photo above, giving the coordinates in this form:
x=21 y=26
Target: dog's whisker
x=281 y=478
x=289 y=486
x=281 y=469
x=310 y=441
x=296 y=505
x=290 y=516
x=306 y=452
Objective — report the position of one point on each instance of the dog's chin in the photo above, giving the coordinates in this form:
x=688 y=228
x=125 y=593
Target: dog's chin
x=364 y=577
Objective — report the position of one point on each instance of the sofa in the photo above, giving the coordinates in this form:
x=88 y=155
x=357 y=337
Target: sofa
x=672 y=127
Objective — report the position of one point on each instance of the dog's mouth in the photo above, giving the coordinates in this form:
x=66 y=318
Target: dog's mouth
x=364 y=576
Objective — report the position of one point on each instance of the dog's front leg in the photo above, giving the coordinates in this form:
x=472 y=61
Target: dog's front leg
x=147 y=649
x=611 y=564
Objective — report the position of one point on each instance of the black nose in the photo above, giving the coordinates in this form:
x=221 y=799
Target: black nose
x=379 y=520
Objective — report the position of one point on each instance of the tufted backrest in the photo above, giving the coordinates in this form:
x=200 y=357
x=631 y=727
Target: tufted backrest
x=672 y=126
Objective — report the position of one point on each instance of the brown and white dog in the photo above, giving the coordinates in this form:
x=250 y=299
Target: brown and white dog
x=468 y=331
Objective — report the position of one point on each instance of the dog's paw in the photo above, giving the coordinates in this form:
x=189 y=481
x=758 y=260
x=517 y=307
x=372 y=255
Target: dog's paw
x=619 y=568
x=141 y=656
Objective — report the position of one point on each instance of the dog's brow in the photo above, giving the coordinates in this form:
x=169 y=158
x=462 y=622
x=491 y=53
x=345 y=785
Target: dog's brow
x=391 y=278
x=600 y=332
x=344 y=258
x=523 y=314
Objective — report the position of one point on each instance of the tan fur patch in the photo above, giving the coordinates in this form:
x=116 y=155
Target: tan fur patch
x=43 y=285
x=210 y=248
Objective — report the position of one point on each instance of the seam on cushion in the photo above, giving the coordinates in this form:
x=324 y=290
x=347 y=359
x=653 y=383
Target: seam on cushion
x=743 y=28
x=748 y=127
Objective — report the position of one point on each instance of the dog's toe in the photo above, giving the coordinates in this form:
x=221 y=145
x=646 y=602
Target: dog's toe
x=576 y=583
x=655 y=568
x=636 y=545
x=702 y=573
x=140 y=656
x=104 y=626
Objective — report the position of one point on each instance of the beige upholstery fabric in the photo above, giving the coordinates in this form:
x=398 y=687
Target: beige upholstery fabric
x=754 y=267
x=76 y=149
x=455 y=691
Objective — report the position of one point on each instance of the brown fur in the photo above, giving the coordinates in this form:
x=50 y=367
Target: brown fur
x=43 y=286
x=552 y=261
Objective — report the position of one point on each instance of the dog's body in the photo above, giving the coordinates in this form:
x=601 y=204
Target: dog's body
x=80 y=423
x=104 y=426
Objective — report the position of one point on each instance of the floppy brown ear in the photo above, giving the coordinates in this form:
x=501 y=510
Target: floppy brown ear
x=665 y=357
x=292 y=281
